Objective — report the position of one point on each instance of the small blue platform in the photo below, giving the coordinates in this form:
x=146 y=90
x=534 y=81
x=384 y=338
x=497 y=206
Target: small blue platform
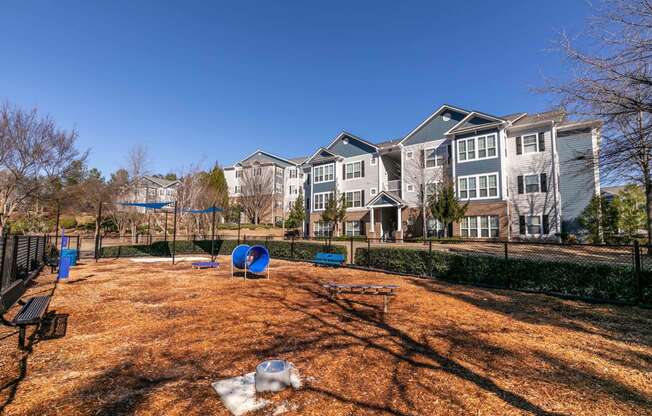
x=205 y=264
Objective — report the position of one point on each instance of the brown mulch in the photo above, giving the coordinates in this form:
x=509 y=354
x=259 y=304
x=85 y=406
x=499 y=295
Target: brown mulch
x=149 y=339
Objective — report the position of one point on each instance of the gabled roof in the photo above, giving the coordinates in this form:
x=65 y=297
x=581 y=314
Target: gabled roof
x=354 y=137
x=162 y=182
x=431 y=116
x=465 y=124
x=314 y=155
x=273 y=156
x=385 y=198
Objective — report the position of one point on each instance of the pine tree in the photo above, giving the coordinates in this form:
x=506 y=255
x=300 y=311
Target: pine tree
x=334 y=211
x=445 y=207
x=297 y=214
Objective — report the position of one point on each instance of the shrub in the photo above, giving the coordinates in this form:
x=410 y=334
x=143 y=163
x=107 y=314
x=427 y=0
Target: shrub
x=591 y=280
x=278 y=249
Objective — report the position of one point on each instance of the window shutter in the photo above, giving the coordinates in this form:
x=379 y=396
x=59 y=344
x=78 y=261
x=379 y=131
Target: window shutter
x=521 y=224
x=343 y=170
x=546 y=224
x=450 y=153
x=542 y=142
x=362 y=169
x=519 y=145
x=520 y=184
x=544 y=183
x=362 y=198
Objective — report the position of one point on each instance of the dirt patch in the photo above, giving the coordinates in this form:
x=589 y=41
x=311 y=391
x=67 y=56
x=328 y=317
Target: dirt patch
x=149 y=339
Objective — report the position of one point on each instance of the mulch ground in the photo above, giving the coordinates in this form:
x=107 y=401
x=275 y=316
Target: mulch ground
x=148 y=339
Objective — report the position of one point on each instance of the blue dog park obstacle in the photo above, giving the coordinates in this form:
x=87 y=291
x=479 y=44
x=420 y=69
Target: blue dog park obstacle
x=253 y=259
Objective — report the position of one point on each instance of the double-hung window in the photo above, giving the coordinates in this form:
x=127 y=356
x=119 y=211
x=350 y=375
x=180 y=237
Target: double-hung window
x=353 y=170
x=321 y=200
x=323 y=228
x=533 y=224
x=530 y=143
x=478 y=186
x=435 y=156
x=238 y=189
x=484 y=226
x=293 y=173
x=353 y=199
x=352 y=228
x=324 y=173
x=238 y=173
x=477 y=148
x=531 y=183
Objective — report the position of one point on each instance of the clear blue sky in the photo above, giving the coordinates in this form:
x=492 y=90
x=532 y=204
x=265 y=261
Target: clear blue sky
x=202 y=81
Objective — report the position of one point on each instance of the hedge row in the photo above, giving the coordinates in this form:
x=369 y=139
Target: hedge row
x=278 y=249
x=590 y=280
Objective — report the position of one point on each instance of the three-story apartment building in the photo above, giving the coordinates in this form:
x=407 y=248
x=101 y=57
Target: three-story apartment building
x=523 y=175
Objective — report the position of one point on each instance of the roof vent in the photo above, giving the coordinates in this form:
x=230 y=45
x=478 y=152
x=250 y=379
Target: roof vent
x=345 y=140
x=446 y=116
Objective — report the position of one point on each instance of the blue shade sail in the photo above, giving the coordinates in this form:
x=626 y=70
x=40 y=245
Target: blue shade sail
x=152 y=205
x=203 y=211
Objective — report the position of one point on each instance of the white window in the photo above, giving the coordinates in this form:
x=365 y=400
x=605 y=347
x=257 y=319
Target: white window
x=353 y=199
x=293 y=173
x=435 y=156
x=373 y=191
x=478 y=186
x=352 y=228
x=410 y=188
x=278 y=187
x=257 y=171
x=479 y=226
x=320 y=200
x=324 y=173
x=530 y=143
x=533 y=223
x=294 y=190
x=477 y=148
x=238 y=189
x=353 y=170
x=238 y=173
x=374 y=159
x=531 y=183
x=408 y=155
x=323 y=229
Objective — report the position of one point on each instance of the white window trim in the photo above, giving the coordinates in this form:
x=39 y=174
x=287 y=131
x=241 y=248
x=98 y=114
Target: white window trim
x=353 y=234
x=374 y=160
x=525 y=192
x=410 y=186
x=373 y=191
x=536 y=143
x=361 y=201
x=477 y=186
x=409 y=154
x=478 y=227
x=475 y=146
x=354 y=177
x=527 y=230
x=314 y=200
x=435 y=148
x=324 y=175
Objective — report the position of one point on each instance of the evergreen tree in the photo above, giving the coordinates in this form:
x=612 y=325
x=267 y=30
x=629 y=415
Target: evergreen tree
x=600 y=219
x=217 y=183
x=630 y=204
x=297 y=214
x=445 y=207
x=334 y=211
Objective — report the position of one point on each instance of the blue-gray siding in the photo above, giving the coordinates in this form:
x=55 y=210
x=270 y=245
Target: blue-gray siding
x=435 y=128
x=479 y=167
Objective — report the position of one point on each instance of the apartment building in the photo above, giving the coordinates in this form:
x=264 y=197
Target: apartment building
x=272 y=181
x=523 y=175
x=152 y=189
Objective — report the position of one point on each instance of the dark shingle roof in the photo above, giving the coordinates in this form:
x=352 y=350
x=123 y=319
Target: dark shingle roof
x=554 y=115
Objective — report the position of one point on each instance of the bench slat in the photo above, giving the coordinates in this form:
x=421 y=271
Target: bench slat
x=32 y=311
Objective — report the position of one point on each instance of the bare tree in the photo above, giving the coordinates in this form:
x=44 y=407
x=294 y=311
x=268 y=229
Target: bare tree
x=137 y=161
x=33 y=152
x=613 y=82
x=257 y=193
x=428 y=168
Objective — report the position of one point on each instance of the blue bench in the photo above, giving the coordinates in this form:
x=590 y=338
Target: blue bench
x=329 y=259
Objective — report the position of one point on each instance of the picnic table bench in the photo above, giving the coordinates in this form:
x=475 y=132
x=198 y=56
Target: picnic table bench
x=386 y=291
x=31 y=312
x=329 y=259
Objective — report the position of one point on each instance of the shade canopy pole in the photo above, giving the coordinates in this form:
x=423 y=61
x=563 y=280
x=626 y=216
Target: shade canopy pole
x=213 y=236
x=174 y=235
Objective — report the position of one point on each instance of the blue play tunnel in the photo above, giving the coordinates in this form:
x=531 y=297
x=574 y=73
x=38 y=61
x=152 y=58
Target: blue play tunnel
x=254 y=259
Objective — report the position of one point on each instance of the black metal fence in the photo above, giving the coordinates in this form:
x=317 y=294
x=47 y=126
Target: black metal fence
x=21 y=257
x=612 y=273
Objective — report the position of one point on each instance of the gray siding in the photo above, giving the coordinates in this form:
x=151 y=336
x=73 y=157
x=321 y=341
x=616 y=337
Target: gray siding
x=435 y=128
x=264 y=158
x=576 y=182
x=475 y=121
x=352 y=148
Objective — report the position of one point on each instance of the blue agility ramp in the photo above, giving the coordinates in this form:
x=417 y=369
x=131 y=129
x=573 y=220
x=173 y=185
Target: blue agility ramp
x=253 y=259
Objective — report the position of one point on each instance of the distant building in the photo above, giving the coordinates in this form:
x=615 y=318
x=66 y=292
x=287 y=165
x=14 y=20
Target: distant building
x=152 y=189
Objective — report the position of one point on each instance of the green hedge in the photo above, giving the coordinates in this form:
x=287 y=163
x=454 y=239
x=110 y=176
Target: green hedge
x=591 y=280
x=278 y=249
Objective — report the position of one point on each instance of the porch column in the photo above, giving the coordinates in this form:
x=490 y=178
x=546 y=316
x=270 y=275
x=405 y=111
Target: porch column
x=373 y=223
x=399 y=219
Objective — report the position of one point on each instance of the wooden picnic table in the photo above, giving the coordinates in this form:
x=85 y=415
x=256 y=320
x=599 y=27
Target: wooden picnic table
x=336 y=289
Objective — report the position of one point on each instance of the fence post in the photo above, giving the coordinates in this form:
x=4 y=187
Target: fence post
x=14 y=264
x=351 y=258
x=508 y=282
x=430 y=258
x=78 y=245
x=292 y=248
x=2 y=260
x=638 y=284
x=368 y=253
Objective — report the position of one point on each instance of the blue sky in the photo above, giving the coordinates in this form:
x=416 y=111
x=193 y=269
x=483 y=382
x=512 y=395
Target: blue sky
x=202 y=81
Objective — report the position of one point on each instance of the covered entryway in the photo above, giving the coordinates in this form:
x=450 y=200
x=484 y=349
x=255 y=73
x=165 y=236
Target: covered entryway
x=385 y=217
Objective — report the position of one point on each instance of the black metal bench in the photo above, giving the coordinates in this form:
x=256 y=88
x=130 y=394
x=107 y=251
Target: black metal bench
x=31 y=312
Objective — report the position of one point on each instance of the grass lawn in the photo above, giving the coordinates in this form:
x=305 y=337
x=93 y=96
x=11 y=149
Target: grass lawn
x=150 y=338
